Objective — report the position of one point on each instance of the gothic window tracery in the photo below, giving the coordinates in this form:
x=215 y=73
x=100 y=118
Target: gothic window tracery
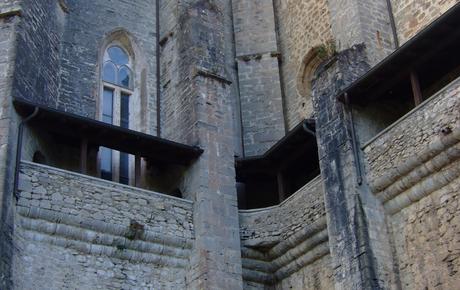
x=117 y=84
x=117 y=69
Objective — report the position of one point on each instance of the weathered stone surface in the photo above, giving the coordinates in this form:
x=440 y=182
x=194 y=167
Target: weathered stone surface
x=256 y=52
x=230 y=74
x=437 y=118
x=9 y=19
x=420 y=191
x=278 y=223
x=302 y=26
x=77 y=230
x=287 y=245
x=413 y=15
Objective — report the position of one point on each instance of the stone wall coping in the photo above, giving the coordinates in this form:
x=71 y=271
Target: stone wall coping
x=411 y=112
x=258 y=210
x=133 y=190
x=10 y=11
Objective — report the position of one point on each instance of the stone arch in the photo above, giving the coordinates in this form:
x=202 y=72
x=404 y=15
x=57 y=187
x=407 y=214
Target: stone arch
x=305 y=75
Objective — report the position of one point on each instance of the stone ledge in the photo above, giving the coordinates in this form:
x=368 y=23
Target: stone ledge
x=10 y=12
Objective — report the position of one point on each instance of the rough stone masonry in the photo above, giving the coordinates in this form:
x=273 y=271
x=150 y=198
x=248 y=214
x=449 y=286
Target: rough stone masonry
x=233 y=78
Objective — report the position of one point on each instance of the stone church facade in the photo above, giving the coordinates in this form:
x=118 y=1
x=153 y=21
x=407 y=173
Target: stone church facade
x=229 y=144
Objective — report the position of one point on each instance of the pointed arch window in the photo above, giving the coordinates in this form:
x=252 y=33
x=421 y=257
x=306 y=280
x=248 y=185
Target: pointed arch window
x=117 y=84
x=117 y=68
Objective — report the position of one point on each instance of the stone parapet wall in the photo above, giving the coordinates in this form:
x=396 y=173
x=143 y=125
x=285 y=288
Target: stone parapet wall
x=411 y=16
x=277 y=223
x=425 y=131
x=77 y=230
x=414 y=170
x=287 y=245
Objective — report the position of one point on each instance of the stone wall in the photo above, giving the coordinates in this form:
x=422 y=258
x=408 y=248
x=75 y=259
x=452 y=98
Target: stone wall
x=38 y=51
x=64 y=42
x=420 y=191
x=286 y=246
x=259 y=75
x=171 y=104
x=411 y=16
x=82 y=53
x=78 y=231
x=302 y=26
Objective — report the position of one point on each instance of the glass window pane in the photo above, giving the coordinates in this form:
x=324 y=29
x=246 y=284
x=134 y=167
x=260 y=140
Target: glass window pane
x=124 y=168
x=124 y=110
x=118 y=55
x=109 y=73
x=106 y=163
x=107 y=106
x=124 y=77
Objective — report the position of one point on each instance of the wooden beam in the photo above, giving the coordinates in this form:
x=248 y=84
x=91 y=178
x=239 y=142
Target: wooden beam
x=84 y=156
x=281 y=186
x=418 y=98
x=137 y=171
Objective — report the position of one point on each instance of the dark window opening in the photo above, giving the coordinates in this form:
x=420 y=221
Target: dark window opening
x=107 y=106
x=106 y=163
x=389 y=105
x=401 y=82
x=289 y=165
x=124 y=111
x=124 y=168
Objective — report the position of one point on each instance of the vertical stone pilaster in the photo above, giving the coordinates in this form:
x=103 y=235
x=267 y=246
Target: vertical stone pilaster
x=9 y=19
x=259 y=75
x=359 y=241
x=207 y=96
x=337 y=169
x=360 y=246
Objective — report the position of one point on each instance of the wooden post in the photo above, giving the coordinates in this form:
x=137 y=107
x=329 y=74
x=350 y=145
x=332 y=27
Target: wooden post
x=84 y=156
x=281 y=188
x=418 y=98
x=137 y=171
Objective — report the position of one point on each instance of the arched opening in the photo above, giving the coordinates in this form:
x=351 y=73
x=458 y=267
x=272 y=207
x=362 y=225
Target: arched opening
x=310 y=64
x=119 y=103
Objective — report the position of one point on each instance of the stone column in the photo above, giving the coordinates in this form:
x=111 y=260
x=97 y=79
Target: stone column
x=259 y=75
x=359 y=242
x=9 y=18
x=206 y=97
x=360 y=245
